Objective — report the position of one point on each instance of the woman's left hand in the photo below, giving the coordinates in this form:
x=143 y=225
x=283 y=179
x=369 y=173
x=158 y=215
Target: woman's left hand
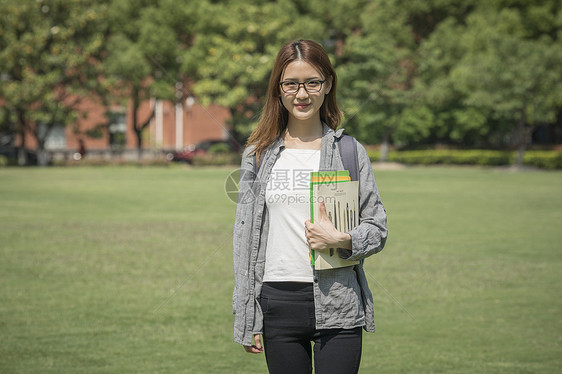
x=323 y=235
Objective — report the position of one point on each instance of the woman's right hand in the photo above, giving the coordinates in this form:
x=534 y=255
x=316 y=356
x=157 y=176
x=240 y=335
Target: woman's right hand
x=256 y=348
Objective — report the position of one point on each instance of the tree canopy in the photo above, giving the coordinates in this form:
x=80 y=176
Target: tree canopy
x=50 y=55
x=461 y=72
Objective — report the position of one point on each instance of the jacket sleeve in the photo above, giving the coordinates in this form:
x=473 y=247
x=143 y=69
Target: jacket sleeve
x=369 y=237
x=242 y=225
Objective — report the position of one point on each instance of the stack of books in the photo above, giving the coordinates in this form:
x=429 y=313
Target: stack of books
x=341 y=198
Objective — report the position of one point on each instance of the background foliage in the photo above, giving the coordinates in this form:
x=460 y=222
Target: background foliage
x=474 y=73
x=50 y=58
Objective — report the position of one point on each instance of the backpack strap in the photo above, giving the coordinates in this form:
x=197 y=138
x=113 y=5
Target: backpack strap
x=350 y=160
x=348 y=154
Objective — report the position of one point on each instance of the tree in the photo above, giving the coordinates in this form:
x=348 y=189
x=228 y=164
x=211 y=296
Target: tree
x=234 y=49
x=49 y=61
x=380 y=69
x=515 y=79
x=374 y=74
x=454 y=121
x=145 y=51
x=373 y=87
x=340 y=20
x=493 y=73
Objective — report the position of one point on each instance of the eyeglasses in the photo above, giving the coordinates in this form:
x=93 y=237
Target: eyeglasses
x=292 y=87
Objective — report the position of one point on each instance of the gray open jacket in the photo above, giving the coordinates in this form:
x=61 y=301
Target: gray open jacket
x=342 y=298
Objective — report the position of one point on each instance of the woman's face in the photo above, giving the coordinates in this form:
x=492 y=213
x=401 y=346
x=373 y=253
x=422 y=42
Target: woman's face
x=303 y=105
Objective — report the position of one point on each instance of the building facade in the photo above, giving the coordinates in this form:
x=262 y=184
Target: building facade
x=108 y=131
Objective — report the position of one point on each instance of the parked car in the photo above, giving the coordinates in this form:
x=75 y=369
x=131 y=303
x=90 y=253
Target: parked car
x=202 y=148
x=11 y=154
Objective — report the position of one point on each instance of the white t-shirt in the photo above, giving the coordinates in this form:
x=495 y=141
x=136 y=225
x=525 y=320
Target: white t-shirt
x=288 y=202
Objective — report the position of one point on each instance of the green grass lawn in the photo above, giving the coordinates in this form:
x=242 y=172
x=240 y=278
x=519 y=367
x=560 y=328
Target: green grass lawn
x=129 y=270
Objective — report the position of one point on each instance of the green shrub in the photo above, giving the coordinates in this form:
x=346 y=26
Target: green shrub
x=220 y=159
x=374 y=154
x=541 y=159
x=88 y=162
x=219 y=148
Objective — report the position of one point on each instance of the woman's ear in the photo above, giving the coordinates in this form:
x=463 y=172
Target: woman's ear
x=328 y=86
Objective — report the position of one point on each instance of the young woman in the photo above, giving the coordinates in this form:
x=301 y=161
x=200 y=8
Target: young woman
x=281 y=303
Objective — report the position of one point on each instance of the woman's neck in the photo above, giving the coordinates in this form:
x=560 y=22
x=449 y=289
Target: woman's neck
x=303 y=135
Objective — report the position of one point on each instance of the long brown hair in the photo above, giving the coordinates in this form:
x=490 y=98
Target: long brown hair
x=274 y=117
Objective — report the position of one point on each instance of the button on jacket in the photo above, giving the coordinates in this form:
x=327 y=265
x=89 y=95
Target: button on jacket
x=342 y=298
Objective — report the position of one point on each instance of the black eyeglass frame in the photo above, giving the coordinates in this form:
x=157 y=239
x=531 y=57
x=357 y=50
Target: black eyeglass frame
x=304 y=85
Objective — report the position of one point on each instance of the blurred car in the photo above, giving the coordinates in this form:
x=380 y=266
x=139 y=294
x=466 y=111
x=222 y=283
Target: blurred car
x=11 y=154
x=202 y=148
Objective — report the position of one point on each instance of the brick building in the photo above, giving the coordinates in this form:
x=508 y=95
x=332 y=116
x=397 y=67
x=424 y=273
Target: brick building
x=108 y=132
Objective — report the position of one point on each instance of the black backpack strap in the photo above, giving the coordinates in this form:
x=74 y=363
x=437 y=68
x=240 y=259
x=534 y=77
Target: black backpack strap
x=348 y=154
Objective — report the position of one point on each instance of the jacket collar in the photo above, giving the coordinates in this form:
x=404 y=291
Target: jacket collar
x=326 y=130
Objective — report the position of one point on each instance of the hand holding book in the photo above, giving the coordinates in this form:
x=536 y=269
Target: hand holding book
x=334 y=206
x=323 y=235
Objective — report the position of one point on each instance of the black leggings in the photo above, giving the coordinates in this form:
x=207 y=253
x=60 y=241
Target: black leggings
x=289 y=327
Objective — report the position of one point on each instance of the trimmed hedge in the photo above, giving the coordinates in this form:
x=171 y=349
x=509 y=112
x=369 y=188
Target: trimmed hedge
x=542 y=159
x=87 y=162
x=218 y=159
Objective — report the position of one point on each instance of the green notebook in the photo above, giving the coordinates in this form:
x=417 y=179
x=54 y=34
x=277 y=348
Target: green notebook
x=340 y=196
